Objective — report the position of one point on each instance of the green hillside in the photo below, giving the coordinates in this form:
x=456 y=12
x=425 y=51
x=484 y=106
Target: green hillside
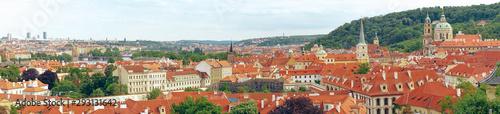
x=287 y=40
x=395 y=28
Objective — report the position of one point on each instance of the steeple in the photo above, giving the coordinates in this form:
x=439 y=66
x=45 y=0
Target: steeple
x=231 y=48
x=376 y=38
x=361 y=34
x=427 y=19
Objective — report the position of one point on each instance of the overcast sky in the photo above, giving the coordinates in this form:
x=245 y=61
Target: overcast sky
x=170 y=20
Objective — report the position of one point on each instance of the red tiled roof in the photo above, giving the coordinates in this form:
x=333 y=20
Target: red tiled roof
x=428 y=96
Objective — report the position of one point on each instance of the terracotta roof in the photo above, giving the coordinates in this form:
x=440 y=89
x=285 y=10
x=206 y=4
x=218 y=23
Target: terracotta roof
x=134 y=68
x=428 y=96
x=34 y=89
x=307 y=58
x=342 y=57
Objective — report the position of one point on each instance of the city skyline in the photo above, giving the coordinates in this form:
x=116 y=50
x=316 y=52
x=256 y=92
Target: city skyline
x=191 y=20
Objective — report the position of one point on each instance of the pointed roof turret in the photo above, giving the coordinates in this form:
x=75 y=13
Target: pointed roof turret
x=376 y=37
x=427 y=19
x=361 y=34
x=231 y=48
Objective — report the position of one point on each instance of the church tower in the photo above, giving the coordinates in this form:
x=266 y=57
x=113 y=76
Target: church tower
x=427 y=37
x=375 y=41
x=362 y=47
x=231 y=55
x=290 y=53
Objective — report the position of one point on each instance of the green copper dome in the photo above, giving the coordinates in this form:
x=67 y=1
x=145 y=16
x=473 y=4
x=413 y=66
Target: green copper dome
x=443 y=25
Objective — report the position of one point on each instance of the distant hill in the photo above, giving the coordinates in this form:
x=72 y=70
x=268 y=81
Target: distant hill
x=395 y=29
x=274 y=40
x=213 y=42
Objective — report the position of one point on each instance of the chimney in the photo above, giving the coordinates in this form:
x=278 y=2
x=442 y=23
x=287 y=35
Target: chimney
x=8 y=96
x=245 y=95
x=198 y=92
x=458 y=92
x=123 y=105
x=24 y=97
x=215 y=92
x=36 y=97
x=396 y=75
x=338 y=107
x=274 y=98
x=262 y=104
x=287 y=72
x=427 y=77
x=352 y=83
x=409 y=73
x=332 y=93
x=383 y=75
x=277 y=103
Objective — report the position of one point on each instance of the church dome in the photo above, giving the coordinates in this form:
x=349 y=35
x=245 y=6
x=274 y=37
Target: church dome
x=320 y=52
x=443 y=25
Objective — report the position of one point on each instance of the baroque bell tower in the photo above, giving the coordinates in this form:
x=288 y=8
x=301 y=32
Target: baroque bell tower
x=427 y=37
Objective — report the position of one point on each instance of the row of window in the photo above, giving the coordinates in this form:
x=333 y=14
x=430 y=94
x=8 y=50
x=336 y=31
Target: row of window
x=147 y=76
x=310 y=76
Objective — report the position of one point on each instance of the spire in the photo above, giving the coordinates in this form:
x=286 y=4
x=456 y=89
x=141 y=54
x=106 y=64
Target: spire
x=231 y=48
x=427 y=19
x=376 y=37
x=361 y=34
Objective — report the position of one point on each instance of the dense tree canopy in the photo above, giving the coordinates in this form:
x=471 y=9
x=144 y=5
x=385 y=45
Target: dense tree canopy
x=198 y=106
x=65 y=87
x=363 y=68
x=397 y=27
x=48 y=77
x=248 y=107
x=297 y=105
x=64 y=57
x=97 y=93
x=30 y=74
x=153 y=94
x=12 y=73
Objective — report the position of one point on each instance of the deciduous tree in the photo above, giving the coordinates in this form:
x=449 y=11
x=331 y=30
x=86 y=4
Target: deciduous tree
x=30 y=74
x=248 y=107
x=198 y=106
x=48 y=77
x=297 y=105
x=97 y=93
x=153 y=94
